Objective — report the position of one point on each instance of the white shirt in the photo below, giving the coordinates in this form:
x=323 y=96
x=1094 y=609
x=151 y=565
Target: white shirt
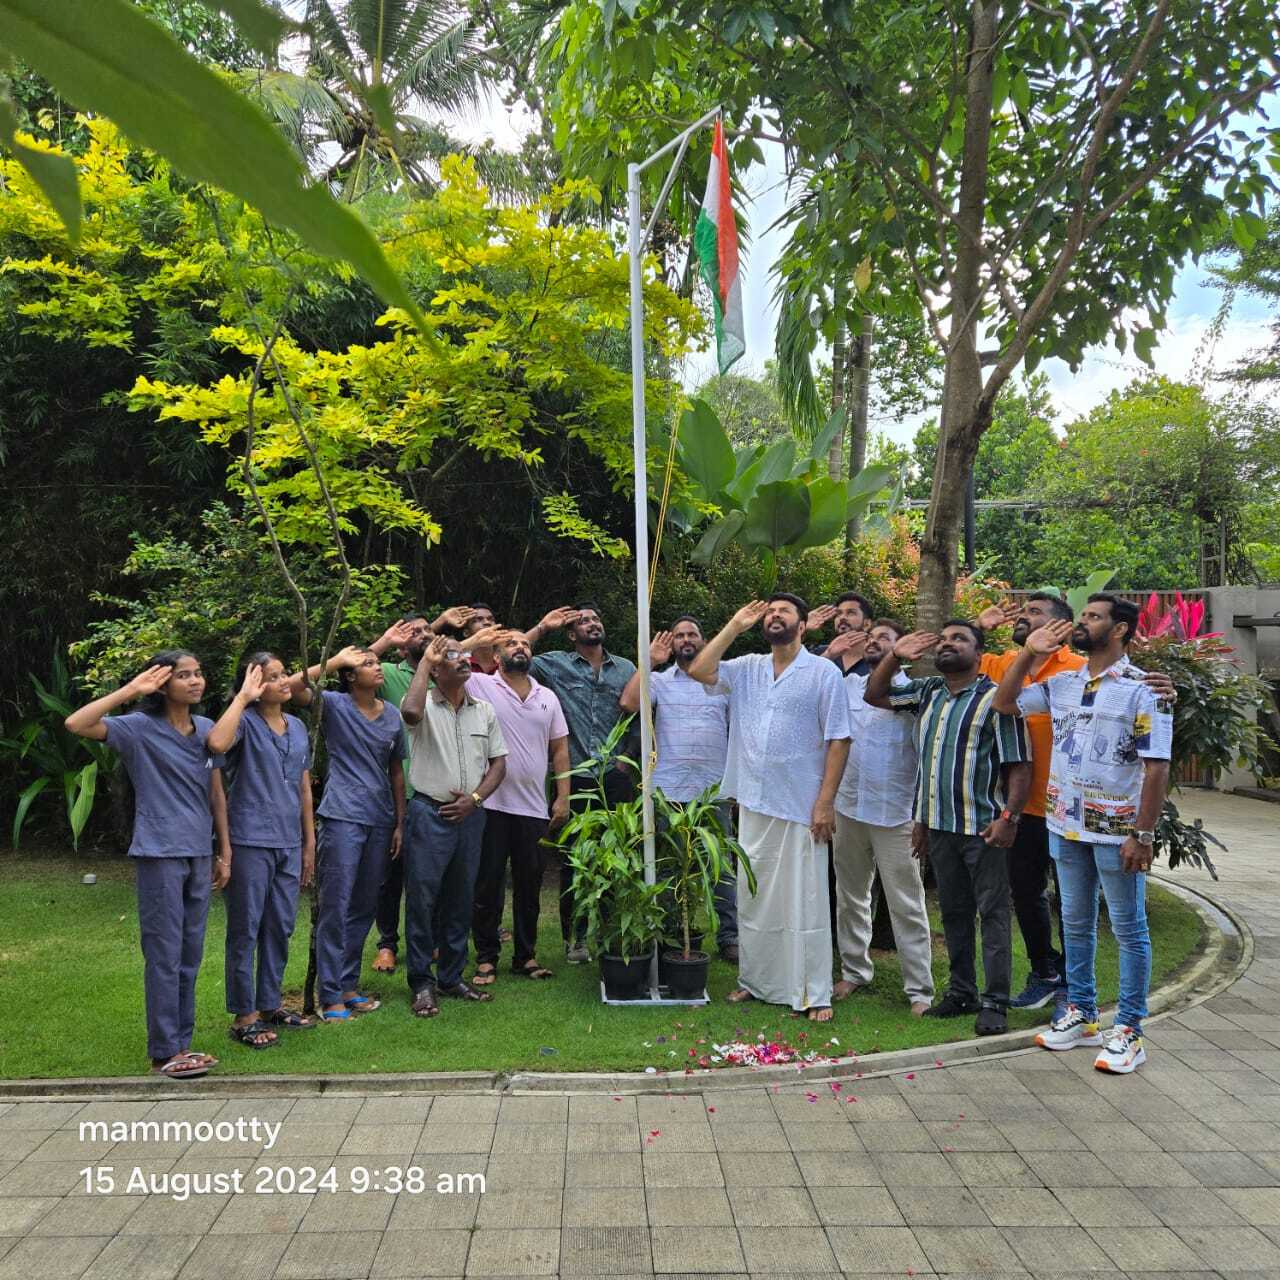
x=779 y=730
x=692 y=734
x=879 y=783
x=1103 y=728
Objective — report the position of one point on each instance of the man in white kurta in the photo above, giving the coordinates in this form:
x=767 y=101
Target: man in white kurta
x=788 y=742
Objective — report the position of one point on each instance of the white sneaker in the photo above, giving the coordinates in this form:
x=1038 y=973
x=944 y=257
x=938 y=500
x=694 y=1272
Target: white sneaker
x=1070 y=1030
x=1122 y=1053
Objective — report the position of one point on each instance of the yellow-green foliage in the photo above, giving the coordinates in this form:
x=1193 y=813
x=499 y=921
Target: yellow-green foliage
x=526 y=309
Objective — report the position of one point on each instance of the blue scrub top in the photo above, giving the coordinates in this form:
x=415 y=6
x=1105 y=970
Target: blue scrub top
x=358 y=785
x=265 y=803
x=172 y=778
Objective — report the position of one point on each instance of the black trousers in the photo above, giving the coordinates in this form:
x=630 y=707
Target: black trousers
x=973 y=880
x=1030 y=869
x=387 y=918
x=618 y=786
x=513 y=838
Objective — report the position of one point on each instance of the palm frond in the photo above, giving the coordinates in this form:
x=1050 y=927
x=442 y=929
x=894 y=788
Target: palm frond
x=445 y=72
x=327 y=33
x=794 y=342
x=302 y=106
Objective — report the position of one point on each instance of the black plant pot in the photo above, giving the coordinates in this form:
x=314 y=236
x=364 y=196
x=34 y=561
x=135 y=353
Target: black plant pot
x=625 y=979
x=673 y=946
x=686 y=979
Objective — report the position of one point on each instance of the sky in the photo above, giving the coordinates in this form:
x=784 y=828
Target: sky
x=1180 y=348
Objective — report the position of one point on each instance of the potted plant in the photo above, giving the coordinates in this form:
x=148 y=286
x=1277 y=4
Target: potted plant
x=695 y=852
x=604 y=844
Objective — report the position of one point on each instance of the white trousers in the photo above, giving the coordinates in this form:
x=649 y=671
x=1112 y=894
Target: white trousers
x=784 y=929
x=860 y=850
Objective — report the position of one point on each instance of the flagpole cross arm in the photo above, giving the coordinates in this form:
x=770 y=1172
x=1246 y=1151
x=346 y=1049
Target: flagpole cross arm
x=681 y=143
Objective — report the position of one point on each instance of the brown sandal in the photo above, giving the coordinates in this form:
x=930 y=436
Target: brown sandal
x=424 y=1003
x=740 y=996
x=485 y=975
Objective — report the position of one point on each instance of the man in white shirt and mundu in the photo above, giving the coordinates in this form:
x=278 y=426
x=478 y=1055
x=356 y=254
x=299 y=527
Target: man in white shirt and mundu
x=874 y=808
x=788 y=742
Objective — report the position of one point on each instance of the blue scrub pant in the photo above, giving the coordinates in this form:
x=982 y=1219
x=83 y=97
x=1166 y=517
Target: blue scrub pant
x=173 y=905
x=442 y=859
x=351 y=864
x=262 y=905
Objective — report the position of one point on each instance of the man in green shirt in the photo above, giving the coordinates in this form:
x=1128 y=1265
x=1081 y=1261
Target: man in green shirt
x=410 y=635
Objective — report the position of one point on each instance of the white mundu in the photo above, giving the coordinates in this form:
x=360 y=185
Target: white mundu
x=778 y=735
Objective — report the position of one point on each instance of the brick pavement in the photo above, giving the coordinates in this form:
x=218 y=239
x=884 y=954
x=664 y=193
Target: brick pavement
x=1026 y=1165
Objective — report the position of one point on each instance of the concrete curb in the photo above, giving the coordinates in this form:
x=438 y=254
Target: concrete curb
x=1226 y=957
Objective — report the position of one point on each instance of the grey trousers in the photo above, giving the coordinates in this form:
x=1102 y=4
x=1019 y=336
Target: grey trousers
x=173 y=905
x=351 y=864
x=973 y=879
x=262 y=904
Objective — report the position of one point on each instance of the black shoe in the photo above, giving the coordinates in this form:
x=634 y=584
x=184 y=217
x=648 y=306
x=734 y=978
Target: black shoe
x=951 y=1006
x=990 y=1022
x=729 y=952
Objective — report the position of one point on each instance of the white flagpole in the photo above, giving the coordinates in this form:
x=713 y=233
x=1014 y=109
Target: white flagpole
x=636 y=239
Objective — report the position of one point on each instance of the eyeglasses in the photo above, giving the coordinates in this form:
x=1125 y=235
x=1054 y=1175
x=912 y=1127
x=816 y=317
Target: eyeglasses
x=453 y=654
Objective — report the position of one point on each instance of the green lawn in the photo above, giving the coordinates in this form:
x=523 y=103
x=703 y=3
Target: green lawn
x=71 y=988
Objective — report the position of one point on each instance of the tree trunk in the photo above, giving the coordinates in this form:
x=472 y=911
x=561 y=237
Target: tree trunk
x=964 y=414
x=859 y=404
x=835 y=455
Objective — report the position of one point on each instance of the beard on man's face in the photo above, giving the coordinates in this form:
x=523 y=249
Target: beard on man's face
x=780 y=631
x=950 y=660
x=1021 y=630
x=686 y=651
x=1083 y=641
x=518 y=661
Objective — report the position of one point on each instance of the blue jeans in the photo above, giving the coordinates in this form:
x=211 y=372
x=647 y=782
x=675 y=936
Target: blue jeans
x=1081 y=867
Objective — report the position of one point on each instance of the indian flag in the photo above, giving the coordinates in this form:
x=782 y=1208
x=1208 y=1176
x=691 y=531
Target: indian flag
x=716 y=239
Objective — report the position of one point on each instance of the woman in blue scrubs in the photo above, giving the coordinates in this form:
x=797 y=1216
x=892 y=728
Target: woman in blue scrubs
x=363 y=813
x=273 y=845
x=179 y=804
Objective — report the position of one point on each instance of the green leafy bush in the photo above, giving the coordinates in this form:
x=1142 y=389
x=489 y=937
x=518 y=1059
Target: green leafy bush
x=1215 y=723
x=40 y=746
x=223 y=596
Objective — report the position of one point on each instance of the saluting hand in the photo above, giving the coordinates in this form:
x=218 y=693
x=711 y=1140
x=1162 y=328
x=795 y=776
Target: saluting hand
x=251 y=688
x=660 y=649
x=558 y=618
x=149 y=681
x=998 y=615
x=1050 y=638
x=819 y=617
x=915 y=645
x=749 y=615
x=853 y=643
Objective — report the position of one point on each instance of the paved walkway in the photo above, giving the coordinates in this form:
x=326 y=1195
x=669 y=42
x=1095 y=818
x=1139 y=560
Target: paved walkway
x=1031 y=1164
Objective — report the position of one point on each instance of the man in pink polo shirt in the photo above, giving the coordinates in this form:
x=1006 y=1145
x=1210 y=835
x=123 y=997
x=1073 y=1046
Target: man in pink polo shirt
x=536 y=735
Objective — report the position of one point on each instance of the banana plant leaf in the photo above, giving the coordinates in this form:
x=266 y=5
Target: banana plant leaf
x=777 y=516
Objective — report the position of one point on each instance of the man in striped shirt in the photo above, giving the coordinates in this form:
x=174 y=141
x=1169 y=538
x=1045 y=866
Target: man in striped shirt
x=970 y=789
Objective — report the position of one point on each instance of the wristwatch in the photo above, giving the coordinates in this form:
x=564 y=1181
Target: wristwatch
x=1009 y=816
x=477 y=798
x=1147 y=838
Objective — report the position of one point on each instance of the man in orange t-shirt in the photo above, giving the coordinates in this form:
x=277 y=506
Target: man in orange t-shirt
x=1030 y=865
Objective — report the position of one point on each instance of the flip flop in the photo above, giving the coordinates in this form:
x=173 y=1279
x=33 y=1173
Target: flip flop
x=535 y=972
x=370 y=1003
x=336 y=1015
x=180 y=1067
x=740 y=996
x=485 y=975
x=204 y=1059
